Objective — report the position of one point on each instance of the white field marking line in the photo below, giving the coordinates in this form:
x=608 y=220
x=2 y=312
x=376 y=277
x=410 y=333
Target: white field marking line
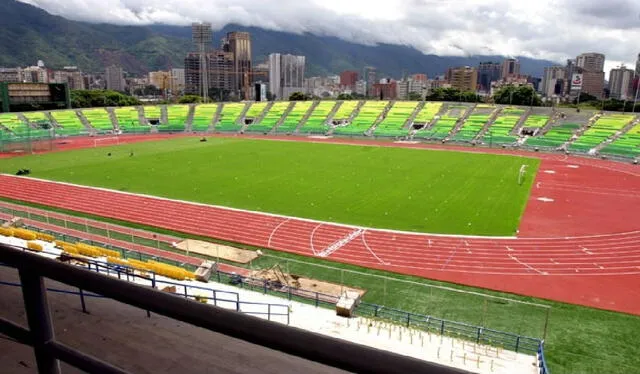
x=453 y=253
x=276 y=229
x=264 y=213
x=598 y=266
x=364 y=241
x=514 y=258
x=340 y=243
x=311 y=239
x=509 y=248
x=585 y=250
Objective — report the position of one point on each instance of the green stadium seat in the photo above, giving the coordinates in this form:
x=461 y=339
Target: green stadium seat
x=229 y=117
x=365 y=118
x=256 y=109
x=69 y=122
x=176 y=118
x=500 y=130
x=17 y=130
x=443 y=126
x=296 y=114
x=427 y=113
x=129 y=121
x=536 y=121
x=271 y=118
x=555 y=137
x=203 y=116
x=392 y=125
x=317 y=121
x=627 y=145
x=98 y=118
x=605 y=127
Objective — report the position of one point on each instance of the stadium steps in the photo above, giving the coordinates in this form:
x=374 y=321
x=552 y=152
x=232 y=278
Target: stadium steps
x=257 y=119
x=24 y=119
x=380 y=118
x=349 y=119
x=284 y=116
x=50 y=119
x=492 y=119
x=521 y=122
x=243 y=114
x=581 y=131
x=461 y=121
x=114 y=118
x=92 y=130
x=306 y=116
x=188 y=126
x=617 y=135
x=215 y=119
x=141 y=118
x=409 y=122
x=164 y=117
x=329 y=116
x=444 y=108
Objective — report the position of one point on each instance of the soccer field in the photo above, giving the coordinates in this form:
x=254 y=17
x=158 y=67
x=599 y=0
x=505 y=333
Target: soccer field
x=382 y=187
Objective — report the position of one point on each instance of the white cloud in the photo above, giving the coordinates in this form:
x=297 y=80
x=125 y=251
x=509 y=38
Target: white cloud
x=549 y=29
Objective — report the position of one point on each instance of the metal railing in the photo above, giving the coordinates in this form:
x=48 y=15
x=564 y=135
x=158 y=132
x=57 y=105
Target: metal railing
x=33 y=269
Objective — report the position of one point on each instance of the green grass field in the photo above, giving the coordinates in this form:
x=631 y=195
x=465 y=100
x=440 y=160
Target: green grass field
x=394 y=188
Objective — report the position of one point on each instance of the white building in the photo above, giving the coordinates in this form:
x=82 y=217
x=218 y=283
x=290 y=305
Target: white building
x=286 y=75
x=177 y=80
x=554 y=81
x=621 y=83
x=114 y=77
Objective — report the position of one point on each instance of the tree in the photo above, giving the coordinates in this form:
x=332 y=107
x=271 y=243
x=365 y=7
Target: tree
x=298 y=96
x=343 y=96
x=585 y=98
x=517 y=95
x=414 y=96
x=452 y=94
x=190 y=99
x=100 y=98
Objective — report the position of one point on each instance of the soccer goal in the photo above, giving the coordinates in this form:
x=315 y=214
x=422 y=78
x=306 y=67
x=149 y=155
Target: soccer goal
x=522 y=174
x=101 y=142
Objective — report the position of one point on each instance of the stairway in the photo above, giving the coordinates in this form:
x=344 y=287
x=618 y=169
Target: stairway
x=520 y=123
x=461 y=121
x=188 y=125
x=351 y=116
x=164 y=117
x=141 y=118
x=51 y=120
x=306 y=117
x=617 y=135
x=407 y=124
x=24 y=119
x=258 y=118
x=114 y=118
x=581 y=131
x=243 y=114
x=284 y=115
x=215 y=119
x=85 y=122
x=496 y=112
x=380 y=118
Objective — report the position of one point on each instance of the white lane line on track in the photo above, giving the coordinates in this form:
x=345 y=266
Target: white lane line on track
x=514 y=258
x=276 y=229
x=585 y=250
x=340 y=243
x=364 y=241
x=311 y=239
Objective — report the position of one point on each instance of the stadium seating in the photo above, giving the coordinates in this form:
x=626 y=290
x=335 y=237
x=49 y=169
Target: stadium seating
x=294 y=117
x=176 y=118
x=555 y=137
x=129 y=121
x=428 y=111
x=69 y=121
x=471 y=127
x=98 y=118
x=392 y=125
x=345 y=110
x=18 y=129
x=256 y=109
x=271 y=118
x=628 y=145
x=444 y=124
x=536 y=121
x=317 y=121
x=366 y=117
x=152 y=112
x=500 y=130
x=202 y=116
x=605 y=127
x=229 y=117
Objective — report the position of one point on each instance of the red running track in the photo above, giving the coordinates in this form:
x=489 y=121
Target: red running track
x=579 y=240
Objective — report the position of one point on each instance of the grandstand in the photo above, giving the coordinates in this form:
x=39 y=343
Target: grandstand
x=317 y=121
x=271 y=118
x=446 y=123
x=345 y=111
x=15 y=126
x=427 y=114
x=393 y=123
x=557 y=133
x=627 y=145
x=255 y=111
x=481 y=115
x=37 y=119
x=176 y=118
x=604 y=128
x=366 y=117
x=129 y=120
x=295 y=116
x=503 y=126
x=229 y=117
x=98 y=118
x=69 y=122
x=203 y=116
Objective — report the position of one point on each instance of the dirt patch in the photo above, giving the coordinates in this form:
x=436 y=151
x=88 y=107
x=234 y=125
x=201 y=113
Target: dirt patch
x=242 y=256
x=275 y=274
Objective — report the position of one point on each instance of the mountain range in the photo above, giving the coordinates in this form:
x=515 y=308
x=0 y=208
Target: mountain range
x=29 y=34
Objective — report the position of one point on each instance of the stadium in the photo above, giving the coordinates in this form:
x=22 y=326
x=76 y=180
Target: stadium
x=498 y=226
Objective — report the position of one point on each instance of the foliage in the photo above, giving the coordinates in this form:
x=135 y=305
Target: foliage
x=344 y=96
x=148 y=90
x=452 y=94
x=298 y=96
x=517 y=95
x=414 y=96
x=190 y=99
x=100 y=98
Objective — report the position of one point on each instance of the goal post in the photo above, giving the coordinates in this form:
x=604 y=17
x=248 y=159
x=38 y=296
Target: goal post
x=522 y=174
x=101 y=142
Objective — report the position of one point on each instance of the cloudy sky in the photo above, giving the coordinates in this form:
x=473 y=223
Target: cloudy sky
x=549 y=29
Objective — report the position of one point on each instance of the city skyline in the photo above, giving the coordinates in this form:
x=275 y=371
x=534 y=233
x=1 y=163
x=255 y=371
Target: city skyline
x=468 y=28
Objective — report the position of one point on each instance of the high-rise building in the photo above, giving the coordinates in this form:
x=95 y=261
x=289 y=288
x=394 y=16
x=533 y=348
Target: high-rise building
x=70 y=75
x=220 y=68
x=239 y=44
x=554 y=81
x=286 y=75
x=621 y=83
x=201 y=36
x=421 y=78
x=463 y=78
x=177 y=80
x=638 y=65
x=592 y=70
x=370 y=78
x=114 y=78
x=348 y=79
x=386 y=89
x=488 y=72
x=11 y=75
x=160 y=79
x=407 y=86
x=510 y=68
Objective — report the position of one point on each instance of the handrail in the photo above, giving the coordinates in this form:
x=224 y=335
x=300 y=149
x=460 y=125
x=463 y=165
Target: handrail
x=305 y=344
